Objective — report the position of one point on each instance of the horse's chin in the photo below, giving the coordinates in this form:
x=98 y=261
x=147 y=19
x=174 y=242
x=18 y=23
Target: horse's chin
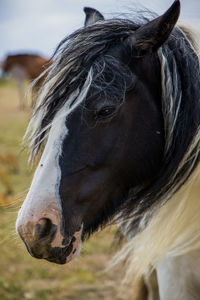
x=65 y=255
x=60 y=254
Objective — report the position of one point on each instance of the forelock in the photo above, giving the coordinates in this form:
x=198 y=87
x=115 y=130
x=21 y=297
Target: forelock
x=82 y=52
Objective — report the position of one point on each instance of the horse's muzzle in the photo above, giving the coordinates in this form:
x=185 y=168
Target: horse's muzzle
x=44 y=240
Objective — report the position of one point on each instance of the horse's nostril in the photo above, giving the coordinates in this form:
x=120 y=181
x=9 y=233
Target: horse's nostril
x=44 y=228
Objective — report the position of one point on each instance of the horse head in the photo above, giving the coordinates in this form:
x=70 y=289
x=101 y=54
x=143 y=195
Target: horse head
x=100 y=111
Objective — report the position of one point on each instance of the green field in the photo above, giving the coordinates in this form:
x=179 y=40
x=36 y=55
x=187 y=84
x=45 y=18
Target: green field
x=21 y=276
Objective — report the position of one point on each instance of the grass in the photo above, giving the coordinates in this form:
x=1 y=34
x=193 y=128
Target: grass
x=21 y=276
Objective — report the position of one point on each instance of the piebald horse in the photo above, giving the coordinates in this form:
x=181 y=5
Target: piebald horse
x=23 y=67
x=119 y=118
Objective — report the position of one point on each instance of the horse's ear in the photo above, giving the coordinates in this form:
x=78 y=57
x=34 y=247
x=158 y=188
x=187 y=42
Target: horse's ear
x=154 y=34
x=92 y=16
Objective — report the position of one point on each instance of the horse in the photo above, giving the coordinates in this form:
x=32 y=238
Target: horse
x=117 y=124
x=23 y=67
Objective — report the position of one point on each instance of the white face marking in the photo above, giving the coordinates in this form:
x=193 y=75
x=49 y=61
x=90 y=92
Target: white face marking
x=43 y=199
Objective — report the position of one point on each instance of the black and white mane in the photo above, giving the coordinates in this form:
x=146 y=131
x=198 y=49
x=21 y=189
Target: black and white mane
x=79 y=62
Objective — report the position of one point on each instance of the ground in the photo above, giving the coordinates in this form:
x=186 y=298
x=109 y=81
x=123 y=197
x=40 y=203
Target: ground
x=21 y=276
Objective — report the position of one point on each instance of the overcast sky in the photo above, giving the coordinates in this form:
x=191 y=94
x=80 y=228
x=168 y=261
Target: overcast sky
x=38 y=25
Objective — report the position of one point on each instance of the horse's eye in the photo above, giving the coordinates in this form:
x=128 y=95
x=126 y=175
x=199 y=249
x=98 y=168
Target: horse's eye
x=105 y=112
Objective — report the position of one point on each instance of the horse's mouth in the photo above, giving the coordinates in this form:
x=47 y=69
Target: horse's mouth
x=59 y=255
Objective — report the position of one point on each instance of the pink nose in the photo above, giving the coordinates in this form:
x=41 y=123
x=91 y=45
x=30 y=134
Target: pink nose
x=40 y=236
x=43 y=239
x=43 y=231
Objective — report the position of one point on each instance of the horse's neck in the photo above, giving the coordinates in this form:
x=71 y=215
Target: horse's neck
x=179 y=277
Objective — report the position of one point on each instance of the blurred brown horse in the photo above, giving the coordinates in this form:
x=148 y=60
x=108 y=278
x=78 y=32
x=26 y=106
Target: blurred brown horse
x=23 y=67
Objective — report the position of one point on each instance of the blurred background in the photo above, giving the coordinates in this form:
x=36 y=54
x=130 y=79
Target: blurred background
x=38 y=26
x=30 y=31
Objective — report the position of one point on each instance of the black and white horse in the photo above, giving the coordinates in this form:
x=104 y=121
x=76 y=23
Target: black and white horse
x=119 y=114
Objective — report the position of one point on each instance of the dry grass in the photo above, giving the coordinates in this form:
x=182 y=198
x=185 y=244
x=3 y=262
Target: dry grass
x=21 y=276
